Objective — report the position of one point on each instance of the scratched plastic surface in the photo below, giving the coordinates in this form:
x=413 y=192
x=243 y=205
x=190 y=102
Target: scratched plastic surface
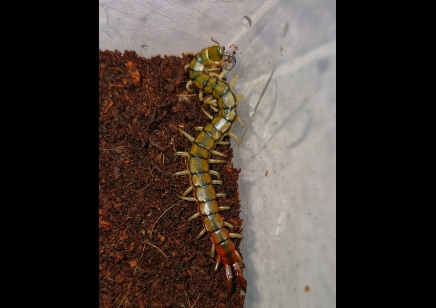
x=287 y=58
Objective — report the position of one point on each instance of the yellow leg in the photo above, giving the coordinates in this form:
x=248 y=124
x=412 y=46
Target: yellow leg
x=187 y=136
x=206 y=113
x=193 y=216
x=218 y=153
x=188 y=84
x=187 y=191
x=232 y=82
x=239 y=97
x=220 y=76
x=202 y=232
x=239 y=120
x=184 y=172
x=212 y=172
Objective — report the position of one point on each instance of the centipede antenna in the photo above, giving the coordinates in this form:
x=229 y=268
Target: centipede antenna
x=257 y=104
x=215 y=41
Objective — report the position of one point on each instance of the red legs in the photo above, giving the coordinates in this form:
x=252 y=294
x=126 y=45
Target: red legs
x=236 y=268
x=217 y=263
x=229 y=275
x=229 y=278
x=239 y=276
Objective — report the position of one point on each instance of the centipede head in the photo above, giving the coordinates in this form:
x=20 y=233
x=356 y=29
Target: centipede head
x=228 y=56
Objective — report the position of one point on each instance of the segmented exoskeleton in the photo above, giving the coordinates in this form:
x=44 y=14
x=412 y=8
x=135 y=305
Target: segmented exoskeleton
x=224 y=102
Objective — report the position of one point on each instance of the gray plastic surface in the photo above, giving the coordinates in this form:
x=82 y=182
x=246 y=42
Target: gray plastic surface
x=288 y=154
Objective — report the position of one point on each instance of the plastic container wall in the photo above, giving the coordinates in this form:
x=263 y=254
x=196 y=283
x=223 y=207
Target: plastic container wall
x=287 y=58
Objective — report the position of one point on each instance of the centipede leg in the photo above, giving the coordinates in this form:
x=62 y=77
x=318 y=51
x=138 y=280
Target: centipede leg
x=229 y=277
x=206 y=113
x=240 y=97
x=208 y=70
x=222 y=142
x=187 y=191
x=188 y=199
x=217 y=264
x=228 y=225
x=216 y=161
x=239 y=257
x=232 y=82
x=210 y=100
x=234 y=136
x=187 y=136
x=212 y=103
x=233 y=235
x=215 y=174
x=193 y=216
x=212 y=250
x=202 y=232
x=218 y=153
x=188 y=85
x=182 y=153
x=221 y=75
x=240 y=121
x=184 y=172
x=225 y=208
x=239 y=277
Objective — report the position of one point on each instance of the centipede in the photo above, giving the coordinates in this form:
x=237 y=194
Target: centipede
x=202 y=71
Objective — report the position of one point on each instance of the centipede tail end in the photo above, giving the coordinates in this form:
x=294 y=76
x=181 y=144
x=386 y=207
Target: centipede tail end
x=229 y=278
x=240 y=277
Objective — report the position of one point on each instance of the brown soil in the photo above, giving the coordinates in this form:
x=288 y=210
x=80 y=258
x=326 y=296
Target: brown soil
x=148 y=254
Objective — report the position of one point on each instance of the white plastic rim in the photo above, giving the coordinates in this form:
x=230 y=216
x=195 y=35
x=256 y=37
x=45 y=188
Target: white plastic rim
x=287 y=59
